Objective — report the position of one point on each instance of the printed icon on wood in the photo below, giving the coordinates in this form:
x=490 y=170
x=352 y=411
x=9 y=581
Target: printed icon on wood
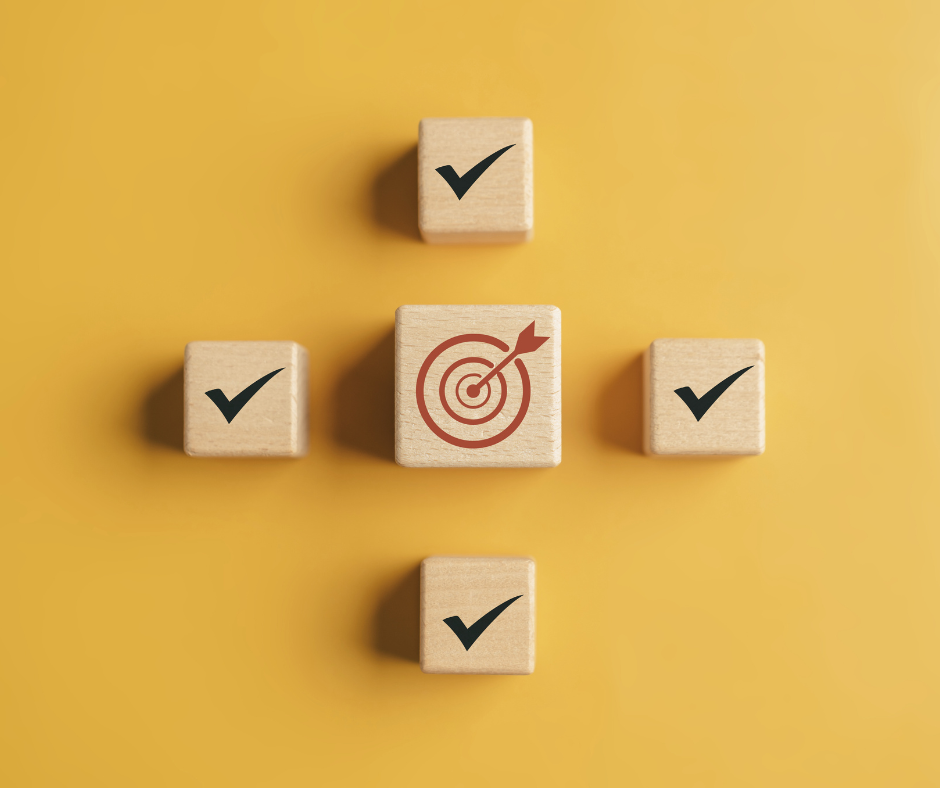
x=478 y=386
x=245 y=399
x=704 y=397
x=475 y=180
x=477 y=615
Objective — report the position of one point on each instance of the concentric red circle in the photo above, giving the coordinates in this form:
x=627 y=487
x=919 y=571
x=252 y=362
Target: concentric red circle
x=442 y=392
x=489 y=391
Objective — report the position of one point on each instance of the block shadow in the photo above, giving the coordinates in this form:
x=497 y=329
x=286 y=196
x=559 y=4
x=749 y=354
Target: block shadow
x=163 y=413
x=395 y=196
x=364 y=402
x=395 y=625
x=620 y=408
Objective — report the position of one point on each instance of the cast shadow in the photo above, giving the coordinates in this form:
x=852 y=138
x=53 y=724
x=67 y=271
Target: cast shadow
x=395 y=196
x=395 y=626
x=163 y=413
x=364 y=402
x=620 y=409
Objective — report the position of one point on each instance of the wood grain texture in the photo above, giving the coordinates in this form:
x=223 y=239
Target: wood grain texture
x=273 y=423
x=470 y=587
x=498 y=207
x=420 y=330
x=733 y=425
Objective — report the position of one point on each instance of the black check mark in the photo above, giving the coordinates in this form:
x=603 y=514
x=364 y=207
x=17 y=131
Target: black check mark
x=468 y=636
x=461 y=184
x=700 y=406
x=230 y=407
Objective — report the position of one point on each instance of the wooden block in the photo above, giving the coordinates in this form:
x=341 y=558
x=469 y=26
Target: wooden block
x=478 y=386
x=704 y=397
x=477 y=615
x=473 y=187
x=245 y=399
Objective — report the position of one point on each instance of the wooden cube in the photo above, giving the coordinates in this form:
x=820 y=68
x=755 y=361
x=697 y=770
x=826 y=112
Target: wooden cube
x=477 y=615
x=478 y=386
x=475 y=180
x=245 y=399
x=704 y=397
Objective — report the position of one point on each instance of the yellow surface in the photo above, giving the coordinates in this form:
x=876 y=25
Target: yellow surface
x=175 y=171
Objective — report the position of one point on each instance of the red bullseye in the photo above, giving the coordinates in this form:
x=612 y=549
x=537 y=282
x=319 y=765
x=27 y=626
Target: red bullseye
x=473 y=391
x=443 y=391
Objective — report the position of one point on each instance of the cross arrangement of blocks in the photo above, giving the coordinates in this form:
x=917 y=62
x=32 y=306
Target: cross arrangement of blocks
x=476 y=386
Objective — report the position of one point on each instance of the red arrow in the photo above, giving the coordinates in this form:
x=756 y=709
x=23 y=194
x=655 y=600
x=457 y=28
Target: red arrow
x=526 y=343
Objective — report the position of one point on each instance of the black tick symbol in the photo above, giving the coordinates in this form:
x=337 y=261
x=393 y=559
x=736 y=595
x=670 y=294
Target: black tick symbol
x=468 y=636
x=230 y=407
x=700 y=406
x=462 y=183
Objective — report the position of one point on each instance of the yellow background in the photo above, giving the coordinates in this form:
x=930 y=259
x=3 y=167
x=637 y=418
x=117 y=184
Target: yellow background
x=245 y=170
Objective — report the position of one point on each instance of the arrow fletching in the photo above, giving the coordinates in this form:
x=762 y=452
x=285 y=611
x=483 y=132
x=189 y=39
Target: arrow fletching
x=527 y=341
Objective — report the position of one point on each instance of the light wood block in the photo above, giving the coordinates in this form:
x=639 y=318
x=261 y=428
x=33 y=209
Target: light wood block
x=459 y=591
x=497 y=207
x=732 y=423
x=273 y=422
x=443 y=353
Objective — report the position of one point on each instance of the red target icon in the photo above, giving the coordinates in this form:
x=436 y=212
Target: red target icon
x=473 y=389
